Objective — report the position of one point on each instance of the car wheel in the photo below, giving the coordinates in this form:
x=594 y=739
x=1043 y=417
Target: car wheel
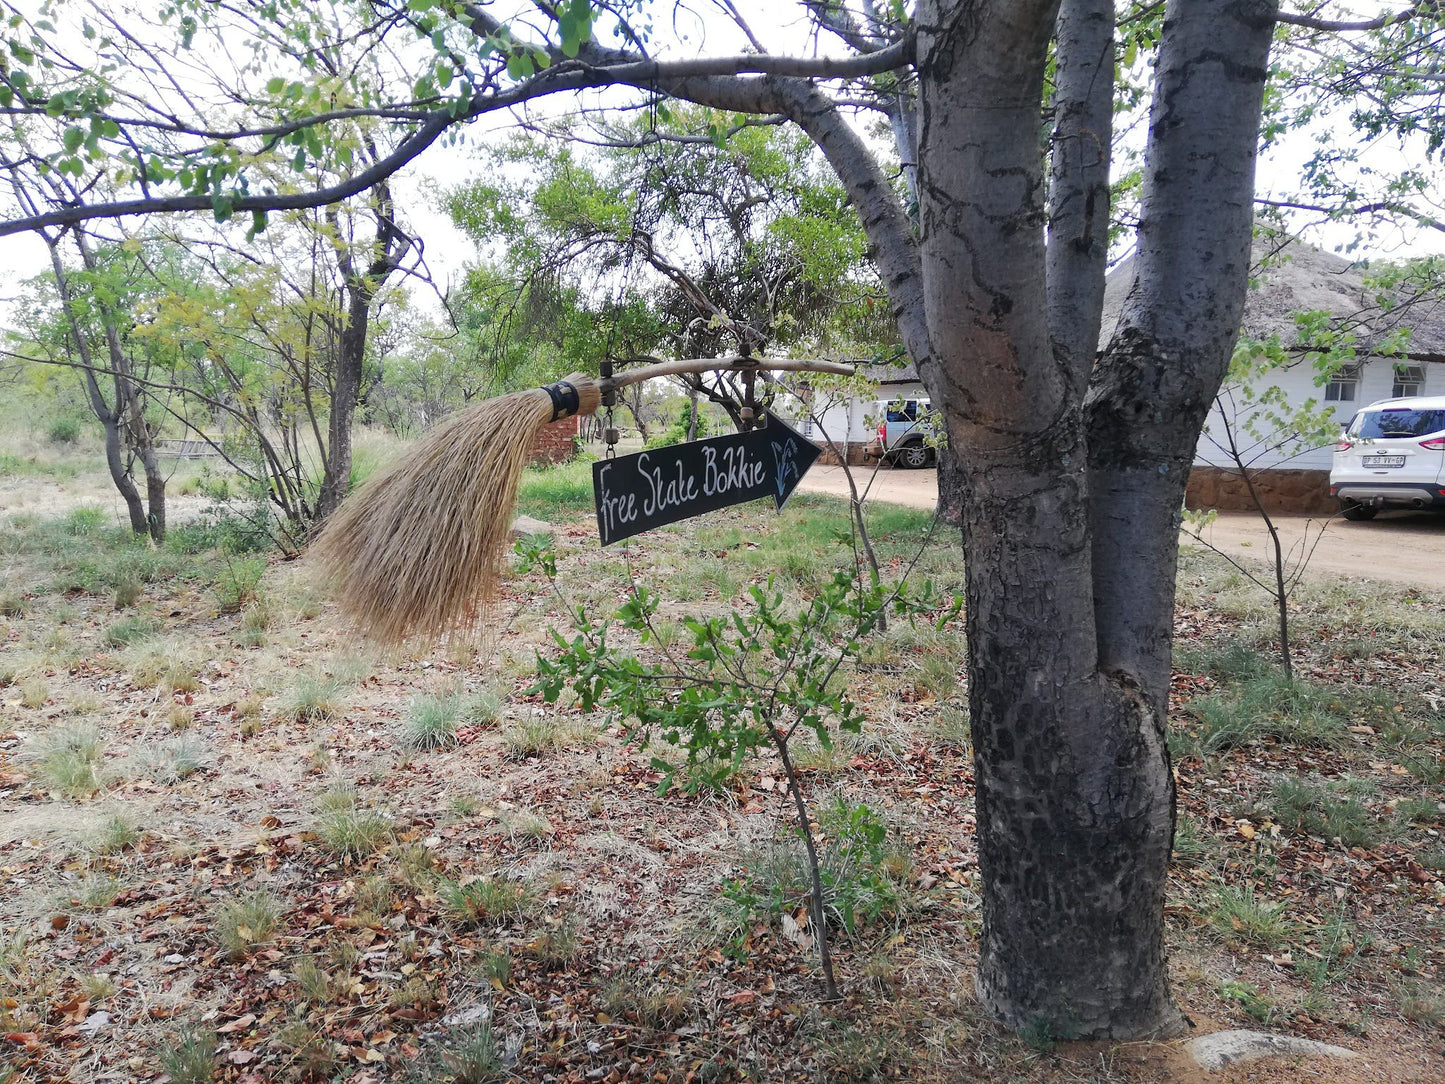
x=1357 y=511
x=914 y=456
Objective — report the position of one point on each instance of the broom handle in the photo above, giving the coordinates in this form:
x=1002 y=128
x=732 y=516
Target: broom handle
x=727 y=365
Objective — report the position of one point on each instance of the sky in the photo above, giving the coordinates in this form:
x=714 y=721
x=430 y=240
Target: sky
x=703 y=29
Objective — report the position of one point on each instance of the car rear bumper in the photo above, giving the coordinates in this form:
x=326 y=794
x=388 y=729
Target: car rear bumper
x=1375 y=494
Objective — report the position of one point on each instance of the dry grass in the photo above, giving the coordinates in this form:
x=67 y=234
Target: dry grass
x=418 y=550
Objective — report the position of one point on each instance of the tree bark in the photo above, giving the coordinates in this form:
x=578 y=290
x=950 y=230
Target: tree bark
x=1068 y=522
x=359 y=288
x=1168 y=356
x=951 y=488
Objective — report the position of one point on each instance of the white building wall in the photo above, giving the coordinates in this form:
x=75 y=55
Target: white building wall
x=1376 y=382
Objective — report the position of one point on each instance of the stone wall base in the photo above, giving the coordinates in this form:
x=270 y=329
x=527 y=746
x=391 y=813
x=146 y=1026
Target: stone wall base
x=1297 y=492
x=854 y=451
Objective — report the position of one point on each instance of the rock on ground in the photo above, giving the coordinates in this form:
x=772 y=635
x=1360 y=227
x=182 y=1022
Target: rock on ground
x=1224 y=1048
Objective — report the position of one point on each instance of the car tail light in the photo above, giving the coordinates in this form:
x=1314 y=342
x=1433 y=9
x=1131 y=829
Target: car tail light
x=1343 y=445
x=882 y=432
x=1435 y=444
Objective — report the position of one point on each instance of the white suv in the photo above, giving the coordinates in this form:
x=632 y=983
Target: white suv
x=906 y=433
x=1391 y=455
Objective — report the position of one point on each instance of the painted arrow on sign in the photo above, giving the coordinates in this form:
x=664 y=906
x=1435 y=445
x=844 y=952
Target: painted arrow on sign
x=635 y=493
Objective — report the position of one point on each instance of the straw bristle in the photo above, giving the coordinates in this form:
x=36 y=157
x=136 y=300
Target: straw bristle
x=419 y=548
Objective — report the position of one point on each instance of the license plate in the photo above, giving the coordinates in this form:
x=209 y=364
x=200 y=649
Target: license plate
x=1384 y=460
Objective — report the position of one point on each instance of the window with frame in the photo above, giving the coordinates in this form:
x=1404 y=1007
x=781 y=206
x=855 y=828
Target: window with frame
x=1409 y=380
x=1343 y=385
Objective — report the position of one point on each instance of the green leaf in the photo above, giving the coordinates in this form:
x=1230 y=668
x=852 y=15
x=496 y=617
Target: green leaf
x=275 y=85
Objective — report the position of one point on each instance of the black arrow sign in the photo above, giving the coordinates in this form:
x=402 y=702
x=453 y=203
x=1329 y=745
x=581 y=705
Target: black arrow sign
x=635 y=493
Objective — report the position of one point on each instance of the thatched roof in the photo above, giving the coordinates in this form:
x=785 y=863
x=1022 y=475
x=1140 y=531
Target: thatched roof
x=1302 y=278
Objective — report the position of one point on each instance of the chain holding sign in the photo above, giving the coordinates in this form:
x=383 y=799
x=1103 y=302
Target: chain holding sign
x=635 y=493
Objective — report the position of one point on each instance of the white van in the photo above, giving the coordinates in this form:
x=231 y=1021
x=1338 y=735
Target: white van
x=1391 y=455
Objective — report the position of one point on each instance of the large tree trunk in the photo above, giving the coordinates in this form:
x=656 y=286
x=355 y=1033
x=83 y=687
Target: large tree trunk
x=1074 y=790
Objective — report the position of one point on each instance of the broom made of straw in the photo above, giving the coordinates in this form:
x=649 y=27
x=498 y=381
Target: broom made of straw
x=419 y=548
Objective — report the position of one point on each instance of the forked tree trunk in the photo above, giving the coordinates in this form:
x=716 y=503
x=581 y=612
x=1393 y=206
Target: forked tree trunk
x=122 y=419
x=1069 y=517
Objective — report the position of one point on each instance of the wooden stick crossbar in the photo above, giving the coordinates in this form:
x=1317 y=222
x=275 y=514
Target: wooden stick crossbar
x=734 y=364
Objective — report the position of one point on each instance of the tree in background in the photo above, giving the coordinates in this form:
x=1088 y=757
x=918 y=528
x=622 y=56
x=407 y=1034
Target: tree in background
x=685 y=235
x=82 y=319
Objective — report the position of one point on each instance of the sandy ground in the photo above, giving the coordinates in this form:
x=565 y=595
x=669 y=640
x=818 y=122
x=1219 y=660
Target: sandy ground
x=1400 y=547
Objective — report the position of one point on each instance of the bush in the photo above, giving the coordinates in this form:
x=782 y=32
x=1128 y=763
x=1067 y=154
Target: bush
x=313 y=698
x=348 y=830
x=238 y=583
x=676 y=433
x=70 y=761
x=63 y=431
x=189 y=1057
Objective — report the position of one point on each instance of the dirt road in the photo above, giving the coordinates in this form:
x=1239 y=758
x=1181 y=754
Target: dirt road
x=1400 y=547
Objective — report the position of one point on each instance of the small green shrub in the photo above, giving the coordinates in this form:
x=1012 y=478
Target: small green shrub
x=312 y=979
x=431 y=722
x=534 y=736
x=176 y=758
x=347 y=829
x=648 y=1005
x=127 y=594
x=256 y=618
x=1323 y=811
x=1273 y=708
x=864 y=873
x=489 y=899
x=132 y=630
x=1420 y=810
x=86 y=521
x=313 y=698
x=238 y=582
x=1249 y=999
x=1238 y=914
x=119 y=833
x=189 y=1057
x=96 y=891
x=557 y=945
x=34 y=693
x=471 y=1056
x=245 y=924
x=70 y=760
